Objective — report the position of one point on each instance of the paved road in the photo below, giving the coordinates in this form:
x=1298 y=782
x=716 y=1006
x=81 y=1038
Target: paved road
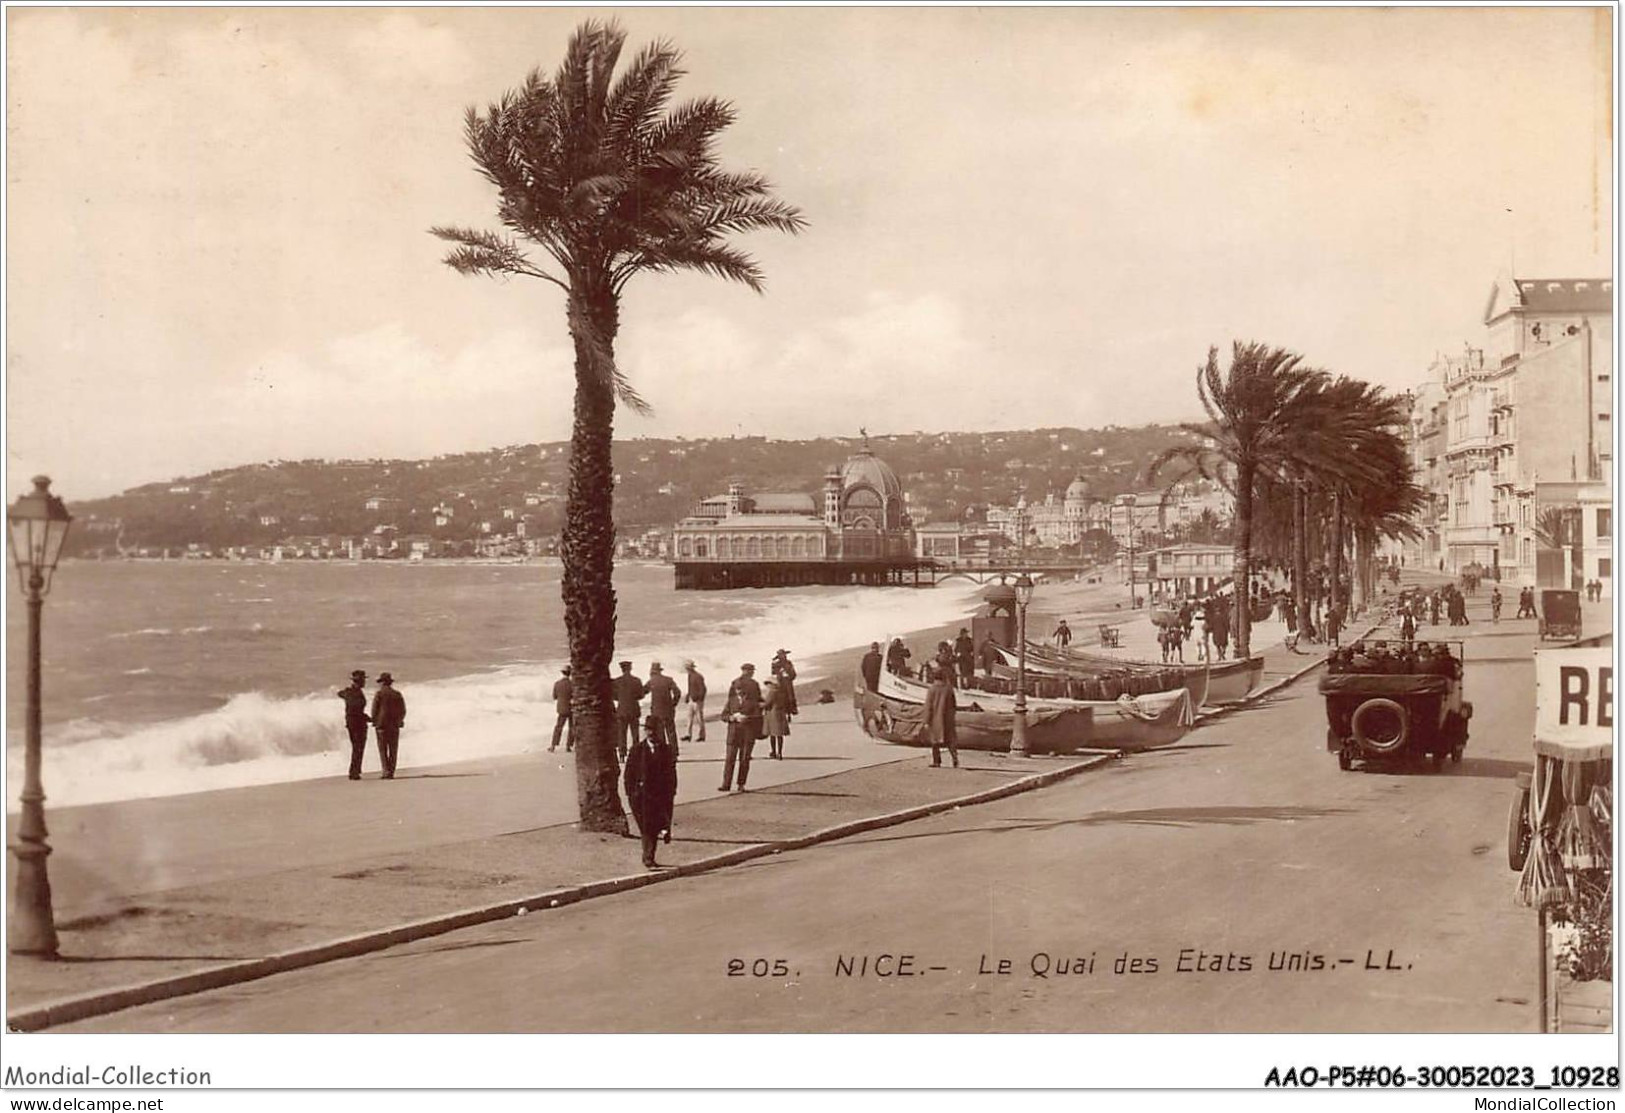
x=1244 y=845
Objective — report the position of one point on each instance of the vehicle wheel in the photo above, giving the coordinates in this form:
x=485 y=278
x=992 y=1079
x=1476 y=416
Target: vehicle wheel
x=1345 y=760
x=1518 y=833
x=1380 y=726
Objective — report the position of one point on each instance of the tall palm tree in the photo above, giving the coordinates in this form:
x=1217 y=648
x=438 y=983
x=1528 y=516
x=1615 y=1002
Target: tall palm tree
x=594 y=171
x=1250 y=410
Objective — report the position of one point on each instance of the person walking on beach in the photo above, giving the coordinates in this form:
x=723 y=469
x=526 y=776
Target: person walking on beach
x=651 y=787
x=775 y=718
x=897 y=656
x=785 y=673
x=628 y=692
x=388 y=716
x=1063 y=634
x=561 y=708
x=694 y=727
x=356 y=720
x=869 y=668
x=965 y=656
x=743 y=714
x=664 y=696
x=940 y=710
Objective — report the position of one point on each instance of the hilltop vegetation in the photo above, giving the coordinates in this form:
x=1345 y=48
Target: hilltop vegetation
x=657 y=482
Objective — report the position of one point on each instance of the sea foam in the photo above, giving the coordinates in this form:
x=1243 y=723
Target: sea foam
x=255 y=738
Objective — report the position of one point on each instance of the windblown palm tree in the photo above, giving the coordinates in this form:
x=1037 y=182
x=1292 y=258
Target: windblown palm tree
x=594 y=171
x=1251 y=411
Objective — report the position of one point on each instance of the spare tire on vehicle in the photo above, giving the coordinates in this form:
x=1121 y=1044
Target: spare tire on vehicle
x=1380 y=726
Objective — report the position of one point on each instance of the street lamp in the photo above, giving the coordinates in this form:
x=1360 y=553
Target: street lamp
x=39 y=524
x=1133 y=596
x=1018 y=733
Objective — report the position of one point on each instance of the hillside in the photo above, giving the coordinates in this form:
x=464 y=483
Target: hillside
x=464 y=497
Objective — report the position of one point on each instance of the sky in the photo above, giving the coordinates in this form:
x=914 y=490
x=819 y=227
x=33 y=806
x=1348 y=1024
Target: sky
x=217 y=247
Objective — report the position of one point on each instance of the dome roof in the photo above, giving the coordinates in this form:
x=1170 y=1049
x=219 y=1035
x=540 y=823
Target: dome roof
x=865 y=467
x=1078 y=489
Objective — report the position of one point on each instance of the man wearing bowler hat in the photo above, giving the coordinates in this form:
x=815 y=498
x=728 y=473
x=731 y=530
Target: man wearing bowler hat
x=356 y=720
x=388 y=716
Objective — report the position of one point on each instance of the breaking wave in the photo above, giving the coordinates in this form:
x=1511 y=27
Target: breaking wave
x=256 y=738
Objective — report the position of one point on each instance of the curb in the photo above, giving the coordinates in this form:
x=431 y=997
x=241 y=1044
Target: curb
x=70 y=1009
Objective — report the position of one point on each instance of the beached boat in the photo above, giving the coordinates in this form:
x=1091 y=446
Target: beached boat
x=1046 y=661
x=1209 y=682
x=1128 y=723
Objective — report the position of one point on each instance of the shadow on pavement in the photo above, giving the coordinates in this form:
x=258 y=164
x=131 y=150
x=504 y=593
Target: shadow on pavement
x=1153 y=817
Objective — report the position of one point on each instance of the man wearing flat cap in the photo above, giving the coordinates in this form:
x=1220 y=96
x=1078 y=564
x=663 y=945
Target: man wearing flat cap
x=628 y=692
x=561 y=707
x=743 y=714
x=356 y=720
x=388 y=716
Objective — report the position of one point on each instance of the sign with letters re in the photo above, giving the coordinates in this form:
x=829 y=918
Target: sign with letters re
x=1574 y=697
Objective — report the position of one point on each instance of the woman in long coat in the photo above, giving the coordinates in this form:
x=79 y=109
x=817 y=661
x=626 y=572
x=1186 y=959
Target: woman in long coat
x=775 y=717
x=651 y=786
x=939 y=712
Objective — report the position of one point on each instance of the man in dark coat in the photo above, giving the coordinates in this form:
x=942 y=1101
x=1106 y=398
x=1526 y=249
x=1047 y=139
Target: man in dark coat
x=628 y=693
x=695 y=698
x=870 y=668
x=664 y=696
x=743 y=714
x=651 y=786
x=356 y=720
x=988 y=654
x=1218 y=624
x=940 y=709
x=1063 y=634
x=388 y=716
x=965 y=655
x=897 y=656
x=561 y=707
x=943 y=661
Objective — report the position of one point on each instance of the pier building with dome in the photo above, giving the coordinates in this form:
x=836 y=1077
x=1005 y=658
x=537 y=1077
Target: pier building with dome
x=856 y=531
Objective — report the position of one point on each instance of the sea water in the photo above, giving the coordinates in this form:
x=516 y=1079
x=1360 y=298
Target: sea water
x=182 y=676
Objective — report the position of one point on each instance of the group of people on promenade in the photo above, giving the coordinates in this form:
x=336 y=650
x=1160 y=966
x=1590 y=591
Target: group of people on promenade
x=387 y=716
x=648 y=746
x=957 y=660
x=1204 y=622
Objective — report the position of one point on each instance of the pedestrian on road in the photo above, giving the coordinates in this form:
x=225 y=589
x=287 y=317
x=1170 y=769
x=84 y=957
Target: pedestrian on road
x=870 y=666
x=743 y=714
x=664 y=695
x=356 y=720
x=775 y=718
x=1218 y=622
x=388 y=716
x=694 y=727
x=1495 y=605
x=1407 y=626
x=897 y=656
x=785 y=673
x=1063 y=634
x=988 y=654
x=965 y=656
x=940 y=712
x=561 y=708
x=651 y=787
x=1198 y=631
x=628 y=692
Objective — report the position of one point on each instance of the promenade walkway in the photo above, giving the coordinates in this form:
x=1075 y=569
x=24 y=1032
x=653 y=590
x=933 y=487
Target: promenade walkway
x=191 y=891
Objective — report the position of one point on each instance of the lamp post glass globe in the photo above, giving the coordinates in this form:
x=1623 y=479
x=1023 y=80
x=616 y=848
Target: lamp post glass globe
x=38 y=524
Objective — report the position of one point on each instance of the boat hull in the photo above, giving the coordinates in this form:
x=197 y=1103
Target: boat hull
x=1126 y=724
x=1209 y=683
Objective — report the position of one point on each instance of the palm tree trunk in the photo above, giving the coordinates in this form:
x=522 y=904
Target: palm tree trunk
x=588 y=551
x=1300 y=553
x=1336 y=562
x=1241 y=557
